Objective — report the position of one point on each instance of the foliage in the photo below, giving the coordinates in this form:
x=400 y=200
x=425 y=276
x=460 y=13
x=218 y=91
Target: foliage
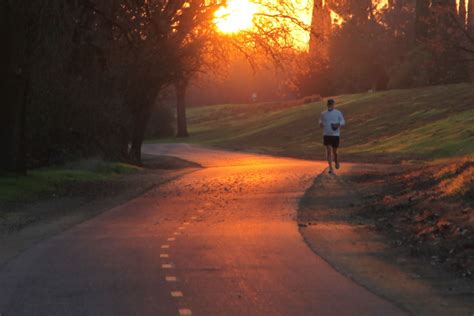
x=456 y=179
x=413 y=70
x=404 y=45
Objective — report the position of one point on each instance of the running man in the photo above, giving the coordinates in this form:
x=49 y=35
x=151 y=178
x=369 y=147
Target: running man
x=331 y=121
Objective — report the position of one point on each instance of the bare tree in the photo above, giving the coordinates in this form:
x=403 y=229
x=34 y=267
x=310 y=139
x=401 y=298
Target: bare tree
x=470 y=17
x=269 y=38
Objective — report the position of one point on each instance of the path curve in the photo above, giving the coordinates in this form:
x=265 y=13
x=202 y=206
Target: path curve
x=220 y=241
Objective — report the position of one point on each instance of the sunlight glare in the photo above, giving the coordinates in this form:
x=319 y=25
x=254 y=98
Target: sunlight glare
x=236 y=16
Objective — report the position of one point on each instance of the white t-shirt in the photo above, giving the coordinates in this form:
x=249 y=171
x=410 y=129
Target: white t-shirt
x=331 y=117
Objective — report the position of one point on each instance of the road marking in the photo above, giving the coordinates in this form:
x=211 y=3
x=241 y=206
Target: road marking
x=181 y=227
x=167 y=266
x=176 y=233
x=164 y=255
x=193 y=217
x=165 y=246
x=185 y=312
x=186 y=223
x=177 y=294
x=171 y=278
x=171 y=239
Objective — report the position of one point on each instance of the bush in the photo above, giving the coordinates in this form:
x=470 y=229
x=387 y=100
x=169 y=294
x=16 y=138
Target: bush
x=312 y=99
x=413 y=71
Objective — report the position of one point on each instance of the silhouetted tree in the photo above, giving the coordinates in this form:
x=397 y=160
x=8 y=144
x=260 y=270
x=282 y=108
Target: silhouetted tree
x=422 y=20
x=19 y=33
x=357 y=10
x=462 y=12
x=470 y=17
x=206 y=50
x=10 y=115
x=321 y=28
x=408 y=43
x=155 y=33
x=446 y=34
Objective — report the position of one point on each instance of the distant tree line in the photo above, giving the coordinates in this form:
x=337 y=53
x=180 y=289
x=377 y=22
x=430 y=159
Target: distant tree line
x=408 y=43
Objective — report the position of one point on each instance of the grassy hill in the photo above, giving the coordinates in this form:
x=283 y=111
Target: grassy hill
x=426 y=123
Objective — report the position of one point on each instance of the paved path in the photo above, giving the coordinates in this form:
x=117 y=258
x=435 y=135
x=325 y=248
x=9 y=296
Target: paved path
x=219 y=241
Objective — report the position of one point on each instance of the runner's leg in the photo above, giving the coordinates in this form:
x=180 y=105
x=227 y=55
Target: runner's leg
x=329 y=157
x=336 y=159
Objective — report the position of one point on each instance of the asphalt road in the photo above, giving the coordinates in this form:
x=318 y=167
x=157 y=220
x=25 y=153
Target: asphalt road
x=219 y=241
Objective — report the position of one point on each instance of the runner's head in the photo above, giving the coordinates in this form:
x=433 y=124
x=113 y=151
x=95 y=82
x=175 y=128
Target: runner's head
x=331 y=104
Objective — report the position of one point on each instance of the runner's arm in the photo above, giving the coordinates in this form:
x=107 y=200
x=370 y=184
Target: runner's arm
x=342 y=122
x=321 y=124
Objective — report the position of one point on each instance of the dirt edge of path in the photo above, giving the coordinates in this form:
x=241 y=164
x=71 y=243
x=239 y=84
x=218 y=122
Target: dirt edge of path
x=61 y=213
x=330 y=227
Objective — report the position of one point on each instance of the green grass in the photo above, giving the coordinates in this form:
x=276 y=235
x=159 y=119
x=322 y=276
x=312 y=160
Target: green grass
x=17 y=188
x=426 y=123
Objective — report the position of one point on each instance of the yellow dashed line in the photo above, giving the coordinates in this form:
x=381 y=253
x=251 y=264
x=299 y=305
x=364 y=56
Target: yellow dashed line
x=185 y=312
x=177 y=294
x=172 y=278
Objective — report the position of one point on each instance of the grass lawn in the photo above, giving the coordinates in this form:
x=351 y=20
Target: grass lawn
x=20 y=188
x=425 y=123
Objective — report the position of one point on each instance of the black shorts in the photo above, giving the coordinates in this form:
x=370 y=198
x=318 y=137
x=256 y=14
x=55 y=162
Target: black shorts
x=332 y=141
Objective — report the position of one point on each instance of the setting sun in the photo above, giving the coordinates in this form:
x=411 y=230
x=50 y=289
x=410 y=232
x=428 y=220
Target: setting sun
x=236 y=16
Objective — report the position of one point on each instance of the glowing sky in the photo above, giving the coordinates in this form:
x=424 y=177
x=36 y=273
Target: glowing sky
x=240 y=15
x=236 y=16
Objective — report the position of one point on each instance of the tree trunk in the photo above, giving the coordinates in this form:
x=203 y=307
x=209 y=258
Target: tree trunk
x=14 y=90
x=470 y=17
x=462 y=12
x=320 y=30
x=450 y=66
x=6 y=159
x=140 y=124
x=181 y=88
x=135 y=153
